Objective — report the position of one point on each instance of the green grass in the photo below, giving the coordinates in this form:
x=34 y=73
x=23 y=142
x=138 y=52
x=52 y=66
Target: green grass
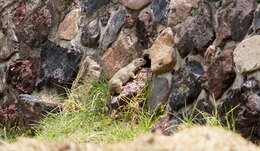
x=84 y=120
x=198 y=117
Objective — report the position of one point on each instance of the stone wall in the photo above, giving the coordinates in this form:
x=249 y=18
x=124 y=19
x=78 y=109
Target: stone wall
x=198 y=52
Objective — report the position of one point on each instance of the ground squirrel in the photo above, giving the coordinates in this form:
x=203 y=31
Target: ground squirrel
x=123 y=75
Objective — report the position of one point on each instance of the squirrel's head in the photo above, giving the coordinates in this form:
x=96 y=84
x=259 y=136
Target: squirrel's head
x=139 y=62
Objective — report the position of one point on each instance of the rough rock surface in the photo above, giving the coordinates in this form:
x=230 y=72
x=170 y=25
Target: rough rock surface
x=180 y=10
x=23 y=74
x=234 y=20
x=35 y=29
x=26 y=111
x=68 y=28
x=94 y=5
x=88 y=69
x=162 y=53
x=113 y=27
x=186 y=85
x=220 y=75
x=247 y=54
x=119 y=55
x=58 y=64
x=167 y=125
x=196 y=33
x=91 y=34
x=159 y=8
x=245 y=103
x=135 y=4
x=145 y=29
x=159 y=93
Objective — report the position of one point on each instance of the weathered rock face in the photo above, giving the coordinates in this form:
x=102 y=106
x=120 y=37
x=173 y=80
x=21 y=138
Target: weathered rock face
x=167 y=125
x=220 y=75
x=162 y=53
x=94 y=5
x=180 y=10
x=58 y=64
x=114 y=25
x=159 y=8
x=245 y=103
x=26 y=111
x=234 y=20
x=34 y=28
x=135 y=4
x=91 y=34
x=196 y=33
x=257 y=19
x=88 y=69
x=119 y=55
x=247 y=54
x=68 y=28
x=160 y=91
x=22 y=75
x=3 y=84
x=186 y=86
x=145 y=29
x=129 y=90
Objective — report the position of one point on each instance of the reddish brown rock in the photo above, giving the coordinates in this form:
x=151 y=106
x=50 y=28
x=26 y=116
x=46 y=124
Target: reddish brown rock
x=196 y=33
x=167 y=125
x=129 y=90
x=162 y=53
x=25 y=111
x=68 y=28
x=20 y=13
x=234 y=20
x=244 y=102
x=119 y=55
x=220 y=75
x=135 y=4
x=22 y=75
x=35 y=29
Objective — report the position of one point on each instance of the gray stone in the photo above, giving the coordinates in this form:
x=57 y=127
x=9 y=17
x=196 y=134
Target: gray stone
x=114 y=26
x=159 y=8
x=247 y=54
x=159 y=93
x=94 y=5
x=257 y=18
x=91 y=34
x=196 y=33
